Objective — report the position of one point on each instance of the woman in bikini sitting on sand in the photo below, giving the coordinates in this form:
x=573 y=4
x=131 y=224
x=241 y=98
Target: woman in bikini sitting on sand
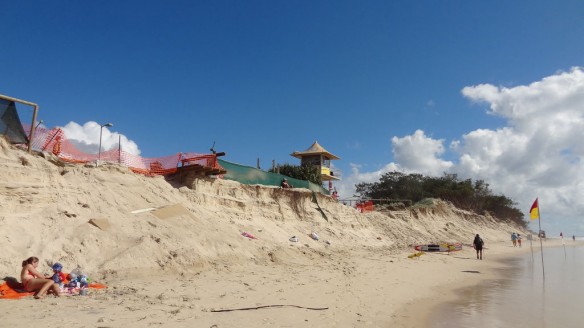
x=34 y=281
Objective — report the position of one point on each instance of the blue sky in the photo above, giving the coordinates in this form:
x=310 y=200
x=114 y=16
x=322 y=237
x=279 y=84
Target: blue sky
x=418 y=86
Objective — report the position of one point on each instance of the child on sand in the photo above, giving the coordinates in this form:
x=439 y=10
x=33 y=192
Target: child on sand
x=34 y=281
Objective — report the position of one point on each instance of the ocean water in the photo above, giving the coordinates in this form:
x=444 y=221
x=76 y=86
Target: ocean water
x=522 y=297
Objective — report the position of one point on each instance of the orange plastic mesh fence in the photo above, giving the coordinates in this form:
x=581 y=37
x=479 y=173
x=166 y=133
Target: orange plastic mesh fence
x=55 y=141
x=209 y=160
x=41 y=136
x=61 y=147
x=149 y=166
x=366 y=206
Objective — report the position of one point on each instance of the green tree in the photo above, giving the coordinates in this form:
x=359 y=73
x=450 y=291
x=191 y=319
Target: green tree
x=301 y=172
x=465 y=194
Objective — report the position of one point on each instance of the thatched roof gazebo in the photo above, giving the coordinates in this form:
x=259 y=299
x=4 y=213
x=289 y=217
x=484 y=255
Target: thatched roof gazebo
x=318 y=156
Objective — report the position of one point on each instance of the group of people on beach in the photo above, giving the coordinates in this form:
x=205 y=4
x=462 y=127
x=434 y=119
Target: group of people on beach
x=516 y=239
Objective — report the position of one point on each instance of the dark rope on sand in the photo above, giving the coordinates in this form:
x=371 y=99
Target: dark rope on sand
x=270 y=306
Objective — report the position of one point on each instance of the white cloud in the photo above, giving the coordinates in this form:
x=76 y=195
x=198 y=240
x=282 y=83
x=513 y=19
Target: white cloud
x=418 y=153
x=538 y=153
x=86 y=138
x=346 y=187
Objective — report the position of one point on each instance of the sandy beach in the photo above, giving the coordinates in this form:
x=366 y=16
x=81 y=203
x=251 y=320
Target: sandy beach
x=174 y=255
x=366 y=290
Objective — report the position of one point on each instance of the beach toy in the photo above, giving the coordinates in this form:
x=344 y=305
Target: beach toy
x=77 y=272
x=248 y=235
x=83 y=281
x=75 y=275
x=415 y=255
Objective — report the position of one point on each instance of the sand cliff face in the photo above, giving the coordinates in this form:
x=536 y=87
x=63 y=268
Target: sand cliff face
x=158 y=225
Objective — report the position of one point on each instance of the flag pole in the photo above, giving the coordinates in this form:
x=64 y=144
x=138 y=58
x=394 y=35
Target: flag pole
x=563 y=243
x=540 y=241
x=531 y=246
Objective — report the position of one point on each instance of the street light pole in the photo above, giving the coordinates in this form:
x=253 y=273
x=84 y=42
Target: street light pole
x=100 y=132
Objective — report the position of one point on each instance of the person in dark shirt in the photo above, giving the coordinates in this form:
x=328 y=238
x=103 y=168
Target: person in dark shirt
x=478 y=246
x=285 y=184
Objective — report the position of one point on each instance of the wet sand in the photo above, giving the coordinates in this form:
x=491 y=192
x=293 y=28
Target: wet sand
x=520 y=296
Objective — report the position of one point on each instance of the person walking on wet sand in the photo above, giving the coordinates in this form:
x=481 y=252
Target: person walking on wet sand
x=478 y=246
x=519 y=240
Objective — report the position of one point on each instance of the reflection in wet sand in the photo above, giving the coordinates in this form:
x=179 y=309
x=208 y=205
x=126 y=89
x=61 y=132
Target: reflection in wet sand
x=521 y=298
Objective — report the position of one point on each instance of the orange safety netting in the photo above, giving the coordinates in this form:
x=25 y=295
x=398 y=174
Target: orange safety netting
x=55 y=141
x=366 y=206
x=148 y=166
x=209 y=160
x=60 y=146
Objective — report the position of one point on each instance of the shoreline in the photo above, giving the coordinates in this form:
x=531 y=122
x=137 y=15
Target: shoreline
x=462 y=276
x=448 y=293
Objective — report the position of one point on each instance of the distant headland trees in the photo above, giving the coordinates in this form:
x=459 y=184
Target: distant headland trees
x=466 y=194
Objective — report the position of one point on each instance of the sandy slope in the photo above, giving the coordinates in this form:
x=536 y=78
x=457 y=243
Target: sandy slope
x=173 y=266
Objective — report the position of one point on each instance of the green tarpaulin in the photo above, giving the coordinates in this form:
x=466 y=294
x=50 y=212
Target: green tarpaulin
x=250 y=175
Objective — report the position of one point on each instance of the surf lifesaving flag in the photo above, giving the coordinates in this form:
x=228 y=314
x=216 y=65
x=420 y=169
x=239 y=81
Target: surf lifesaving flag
x=534 y=211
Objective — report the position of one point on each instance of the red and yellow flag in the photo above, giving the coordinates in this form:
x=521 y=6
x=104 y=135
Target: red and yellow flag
x=534 y=211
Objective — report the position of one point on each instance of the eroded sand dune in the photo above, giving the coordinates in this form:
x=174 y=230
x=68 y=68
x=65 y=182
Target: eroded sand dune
x=166 y=246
